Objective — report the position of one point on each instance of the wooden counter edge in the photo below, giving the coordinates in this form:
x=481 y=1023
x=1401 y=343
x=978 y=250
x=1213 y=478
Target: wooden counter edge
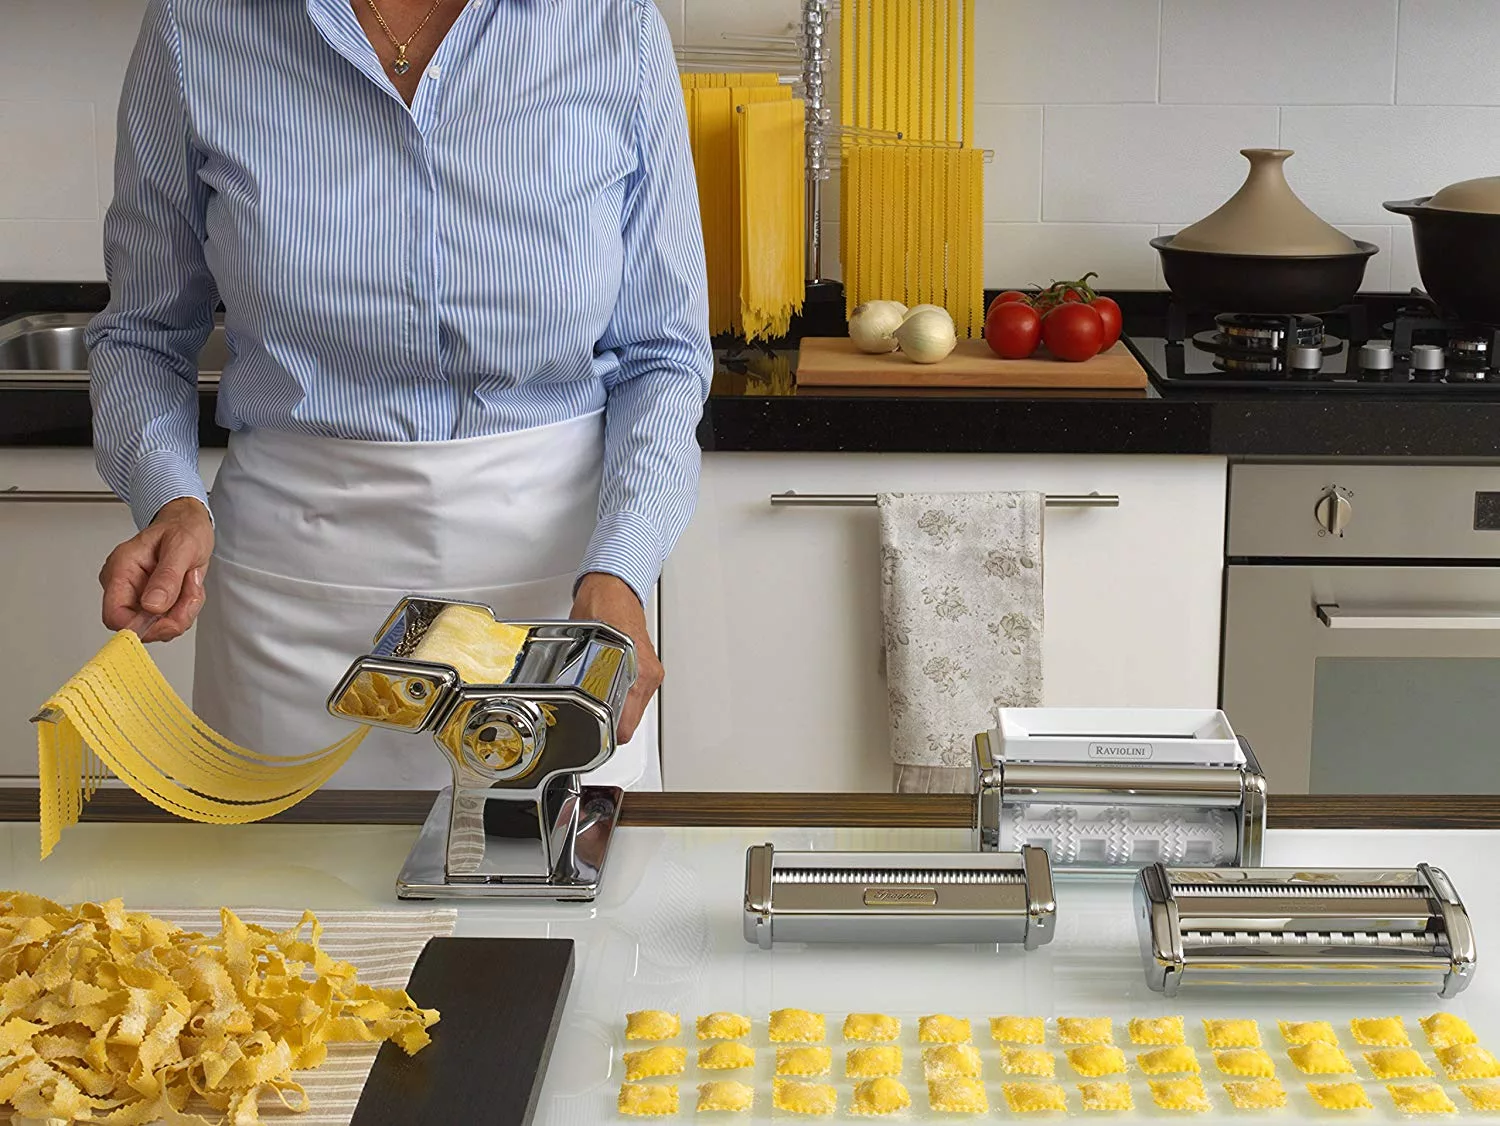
x=934 y=811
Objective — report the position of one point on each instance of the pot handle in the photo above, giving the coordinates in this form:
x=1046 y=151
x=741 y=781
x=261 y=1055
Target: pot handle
x=1406 y=206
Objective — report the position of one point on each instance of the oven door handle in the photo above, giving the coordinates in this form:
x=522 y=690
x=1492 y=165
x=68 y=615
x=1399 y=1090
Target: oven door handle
x=1335 y=617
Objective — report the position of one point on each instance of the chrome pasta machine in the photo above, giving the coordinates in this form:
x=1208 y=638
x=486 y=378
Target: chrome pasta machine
x=926 y=897
x=1108 y=790
x=1265 y=927
x=520 y=710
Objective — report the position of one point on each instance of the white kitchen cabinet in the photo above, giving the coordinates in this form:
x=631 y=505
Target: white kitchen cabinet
x=770 y=617
x=50 y=555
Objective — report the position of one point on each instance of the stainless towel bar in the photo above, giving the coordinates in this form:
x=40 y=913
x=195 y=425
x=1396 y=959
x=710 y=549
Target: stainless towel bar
x=57 y=496
x=869 y=500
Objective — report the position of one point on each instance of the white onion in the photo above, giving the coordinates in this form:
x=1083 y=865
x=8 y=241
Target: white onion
x=872 y=326
x=926 y=336
x=928 y=308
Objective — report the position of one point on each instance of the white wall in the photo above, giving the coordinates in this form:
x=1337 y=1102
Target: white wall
x=1112 y=120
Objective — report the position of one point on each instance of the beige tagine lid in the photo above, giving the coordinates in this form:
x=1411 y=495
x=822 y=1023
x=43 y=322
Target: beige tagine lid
x=1264 y=217
x=1480 y=197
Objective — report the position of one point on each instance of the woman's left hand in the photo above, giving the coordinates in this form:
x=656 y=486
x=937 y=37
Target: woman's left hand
x=608 y=599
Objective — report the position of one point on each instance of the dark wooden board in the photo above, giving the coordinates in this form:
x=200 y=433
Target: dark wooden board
x=501 y=1000
x=831 y=361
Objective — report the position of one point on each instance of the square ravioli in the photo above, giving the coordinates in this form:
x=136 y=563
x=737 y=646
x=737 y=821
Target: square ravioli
x=1481 y=1096
x=951 y=1061
x=1097 y=1059
x=1168 y=1061
x=1296 y=1032
x=655 y=1061
x=1018 y=1030
x=940 y=1029
x=1106 y=1096
x=725 y=1094
x=1397 y=1063
x=1180 y=1094
x=1034 y=1098
x=1028 y=1061
x=1468 y=1061
x=728 y=1056
x=652 y=1024
x=958 y=1095
x=1340 y=1096
x=804 y=1061
x=879 y=1096
x=1251 y=1062
x=723 y=1026
x=1380 y=1032
x=796 y=1026
x=1157 y=1030
x=1232 y=1033
x=1444 y=1030
x=646 y=1100
x=872 y=1063
x=803 y=1098
x=1420 y=1098
x=1085 y=1030
x=1319 y=1058
x=1255 y=1094
x=871 y=1027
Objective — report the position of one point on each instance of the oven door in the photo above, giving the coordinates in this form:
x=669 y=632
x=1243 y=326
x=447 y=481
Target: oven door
x=1366 y=679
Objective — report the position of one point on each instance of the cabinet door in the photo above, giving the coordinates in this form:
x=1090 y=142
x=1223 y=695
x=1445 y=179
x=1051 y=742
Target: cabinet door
x=771 y=616
x=50 y=555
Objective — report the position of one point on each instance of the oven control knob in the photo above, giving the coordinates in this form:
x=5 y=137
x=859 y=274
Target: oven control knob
x=1333 y=512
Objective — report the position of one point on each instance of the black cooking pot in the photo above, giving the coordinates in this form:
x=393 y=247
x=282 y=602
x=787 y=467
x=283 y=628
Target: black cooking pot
x=1262 y=283
x=1458 y=256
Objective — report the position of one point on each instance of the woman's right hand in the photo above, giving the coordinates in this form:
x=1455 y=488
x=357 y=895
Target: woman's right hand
x=153 y=582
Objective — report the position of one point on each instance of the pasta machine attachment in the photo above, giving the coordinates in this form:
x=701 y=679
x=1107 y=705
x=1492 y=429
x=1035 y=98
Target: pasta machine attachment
x=903 y=897
x=520 y=710
x=1107 y=791
x=1274 y=927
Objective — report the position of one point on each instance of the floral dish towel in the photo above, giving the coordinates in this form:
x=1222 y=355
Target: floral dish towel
x=961 y=593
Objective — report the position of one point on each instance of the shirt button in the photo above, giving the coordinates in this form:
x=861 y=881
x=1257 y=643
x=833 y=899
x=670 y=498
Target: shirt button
x=434 y=72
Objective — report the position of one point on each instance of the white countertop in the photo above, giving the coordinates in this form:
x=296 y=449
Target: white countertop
x=666 y=933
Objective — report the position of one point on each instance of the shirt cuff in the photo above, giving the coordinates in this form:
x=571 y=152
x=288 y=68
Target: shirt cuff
x=628 y=546
x=159 y=478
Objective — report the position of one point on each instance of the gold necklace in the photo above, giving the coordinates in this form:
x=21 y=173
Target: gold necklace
x=402 y=63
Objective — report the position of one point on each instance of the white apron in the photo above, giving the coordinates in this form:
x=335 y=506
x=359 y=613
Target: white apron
x=318 y=538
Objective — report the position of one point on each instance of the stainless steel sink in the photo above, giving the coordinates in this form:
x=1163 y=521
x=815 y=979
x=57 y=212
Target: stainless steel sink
x=48 y=348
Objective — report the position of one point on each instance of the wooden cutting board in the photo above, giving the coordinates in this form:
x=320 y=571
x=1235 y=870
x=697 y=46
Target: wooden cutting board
x=501 y=1000
x=834 y=361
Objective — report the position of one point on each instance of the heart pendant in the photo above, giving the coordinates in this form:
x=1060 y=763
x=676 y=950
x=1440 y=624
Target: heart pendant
x=400 y=66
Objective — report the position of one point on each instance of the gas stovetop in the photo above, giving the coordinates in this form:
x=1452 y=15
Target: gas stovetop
x=1416 y=351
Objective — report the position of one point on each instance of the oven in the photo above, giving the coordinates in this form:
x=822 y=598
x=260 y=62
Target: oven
x=1362 y=626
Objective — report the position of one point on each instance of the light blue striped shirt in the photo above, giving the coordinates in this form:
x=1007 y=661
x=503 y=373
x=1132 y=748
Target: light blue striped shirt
x=519 y=247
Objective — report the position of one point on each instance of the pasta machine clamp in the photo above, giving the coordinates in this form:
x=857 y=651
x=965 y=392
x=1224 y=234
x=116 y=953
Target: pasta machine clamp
x=521 y=711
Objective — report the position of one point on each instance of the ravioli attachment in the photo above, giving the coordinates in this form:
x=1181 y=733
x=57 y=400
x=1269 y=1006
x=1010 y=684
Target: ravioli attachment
x=727 y=1056
x=940 y=1029
x=1085 y=1030
x=958 y=1095
x=1232 y=1033
x=879 y=1096
x=723 y=1026
x=652 y=1024
x=803 y=1098
x=725 y=1094
x=1157 y=1031
x=647 y=1100
x=796 y=1026
x=1034 y=1098
x=1380 y=1032
x=1168 y=1061
x=1340 y=1096
x=1468 y=1061
x=949 y=1060
x=1444 y=1030
x=1481 y=1096
x=651 y=1062
x=1180 y=1094
x=1106 y=1096
x=804 y=1061
x=871 y=1028
x=1420 y=1098
x=1319 y=1058
x=1397 y=1063
x=873 y=1063
x=1028 y=1061
x=1252 y=1062
x=1296 y=1032
x=1255 y=1094
x=1097 y=1059
x=1018 y=1030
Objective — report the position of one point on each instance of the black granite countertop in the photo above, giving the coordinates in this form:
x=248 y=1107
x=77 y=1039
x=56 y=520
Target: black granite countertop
x=756 y=407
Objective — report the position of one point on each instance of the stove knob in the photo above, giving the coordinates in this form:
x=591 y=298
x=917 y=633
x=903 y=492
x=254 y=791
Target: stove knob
x=1333 y=512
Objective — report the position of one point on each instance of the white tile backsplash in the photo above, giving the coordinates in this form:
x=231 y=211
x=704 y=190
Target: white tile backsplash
x=1013 y=179
x=1447 y=53
x=51 y=167
x=1064 y=51
x=1028 y=254
x=51 y=250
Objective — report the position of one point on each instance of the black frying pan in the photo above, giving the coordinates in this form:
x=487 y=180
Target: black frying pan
x=1262 y=283
x=1458 y=256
